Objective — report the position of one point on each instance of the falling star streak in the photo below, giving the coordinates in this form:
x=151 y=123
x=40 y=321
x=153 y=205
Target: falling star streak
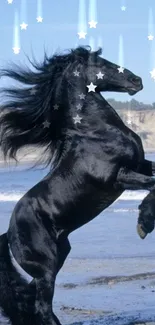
x=100 y=43
x=39 y=11
x=16 y=35
x=152 y=54
x=152 y=44
x=121 y=52
x=150 y=25
x=92 y=10
x=92 y=43
x=82 y=22
x=23 y=15
x=92 y=14
x=123 y=5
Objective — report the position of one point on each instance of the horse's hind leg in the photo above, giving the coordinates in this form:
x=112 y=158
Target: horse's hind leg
x=43 y=302
x=45 y=286
x=63 y=250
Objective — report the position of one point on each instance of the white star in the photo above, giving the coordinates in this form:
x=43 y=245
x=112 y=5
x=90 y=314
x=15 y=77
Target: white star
x=91 y=87
x=79 y=106
x=76 y=73
x=10 y=1
x=82 y=34
x=39 y=19
x=120 y=70
x=100 y=75
x=32 y=91
x=82 y=96
x=123 y=8
x=46 y=124
x=92 y=24
x=23 y=25
x=56 y=107
x=150 y=37
x=16 y=50
x=129 y=122
x=152 y=73
x=77 y=119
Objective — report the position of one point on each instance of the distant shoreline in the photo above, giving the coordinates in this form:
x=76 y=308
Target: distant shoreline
x=32 y=159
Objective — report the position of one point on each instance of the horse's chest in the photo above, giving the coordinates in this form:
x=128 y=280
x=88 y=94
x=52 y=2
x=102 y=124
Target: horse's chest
x=129 y=147
x=135 y=147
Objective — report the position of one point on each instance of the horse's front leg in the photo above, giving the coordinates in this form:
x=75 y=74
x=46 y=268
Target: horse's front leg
x=130 y=180
x=147 y=167
x=146 y=219
x=152 y=163
x=127 y=179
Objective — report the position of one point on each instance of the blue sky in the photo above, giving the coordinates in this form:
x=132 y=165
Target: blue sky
x=59 y=31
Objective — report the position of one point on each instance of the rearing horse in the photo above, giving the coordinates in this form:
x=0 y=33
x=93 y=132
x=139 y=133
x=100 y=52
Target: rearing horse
x=94 y=157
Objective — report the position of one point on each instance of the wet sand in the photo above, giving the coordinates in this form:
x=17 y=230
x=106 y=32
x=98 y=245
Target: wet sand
x=83 y=294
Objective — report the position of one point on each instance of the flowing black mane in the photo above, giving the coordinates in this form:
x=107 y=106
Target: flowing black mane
x=32 y=104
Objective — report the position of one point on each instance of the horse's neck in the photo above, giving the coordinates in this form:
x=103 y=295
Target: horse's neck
x=94 y=102
x=104 y=106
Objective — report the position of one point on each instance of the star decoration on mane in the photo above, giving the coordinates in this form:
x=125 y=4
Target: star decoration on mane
x=16 y=50
x=82 y=96
x=120 y=70
x=77 y=119
x=153 y=74
x=46 y=124
x=123 y=8
x=56 y=107
x=82 y=34
x=23 y=26
x=39 y=19
x=10 y=2
x=92 y=23
x=79 y=107
x=91 y=87
x=32 y=91
x=76 y=73
x=100 y=75
x=150 y=37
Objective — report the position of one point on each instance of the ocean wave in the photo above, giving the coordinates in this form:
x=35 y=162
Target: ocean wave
x=133 y=195
x=127 y=195
x=10 y=197
x=124 y=210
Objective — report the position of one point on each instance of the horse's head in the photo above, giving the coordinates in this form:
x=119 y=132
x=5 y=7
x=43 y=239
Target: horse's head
x=104 y=74
x=111 y=77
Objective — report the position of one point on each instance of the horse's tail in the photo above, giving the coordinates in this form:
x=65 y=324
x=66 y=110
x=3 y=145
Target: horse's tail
x=16 y=302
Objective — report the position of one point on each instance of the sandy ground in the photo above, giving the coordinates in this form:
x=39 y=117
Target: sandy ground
x=82 y=297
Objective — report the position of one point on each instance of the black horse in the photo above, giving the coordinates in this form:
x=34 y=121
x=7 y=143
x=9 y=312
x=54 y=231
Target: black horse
x=94 y=158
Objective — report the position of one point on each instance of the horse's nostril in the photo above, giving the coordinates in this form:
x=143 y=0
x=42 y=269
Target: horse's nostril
x=135 y=80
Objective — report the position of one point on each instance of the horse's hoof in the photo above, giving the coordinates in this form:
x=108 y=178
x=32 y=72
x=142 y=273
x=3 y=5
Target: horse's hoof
x=142 y=234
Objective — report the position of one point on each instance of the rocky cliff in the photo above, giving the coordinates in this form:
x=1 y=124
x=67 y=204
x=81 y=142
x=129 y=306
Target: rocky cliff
x=143 y=123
